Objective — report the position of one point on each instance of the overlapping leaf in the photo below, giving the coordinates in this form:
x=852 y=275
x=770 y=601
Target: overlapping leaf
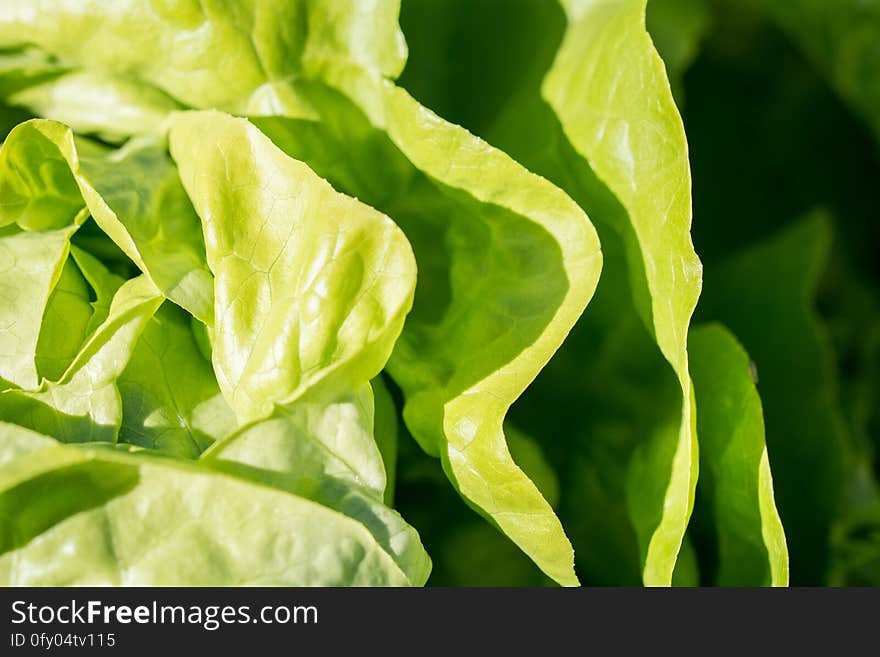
x=171 y=402
x=735 y=473
x=119 y=519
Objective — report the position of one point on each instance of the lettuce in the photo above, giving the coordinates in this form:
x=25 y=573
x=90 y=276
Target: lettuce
x=735 y=463
x=124 y=519
x=626 y=163
x=290 y=287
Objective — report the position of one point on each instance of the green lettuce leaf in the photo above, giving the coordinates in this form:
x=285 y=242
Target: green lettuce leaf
x=171 y=402
x=319 y=436
x=84 y=405
x=65 y=323
x=323 y=449
x=311 y=288
x=80 y=516
x=135 y=196
x=37 y=184
x=104 y=285
x=31 y=264
x=604 y=69
x=111 y=107
x=735 y=468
